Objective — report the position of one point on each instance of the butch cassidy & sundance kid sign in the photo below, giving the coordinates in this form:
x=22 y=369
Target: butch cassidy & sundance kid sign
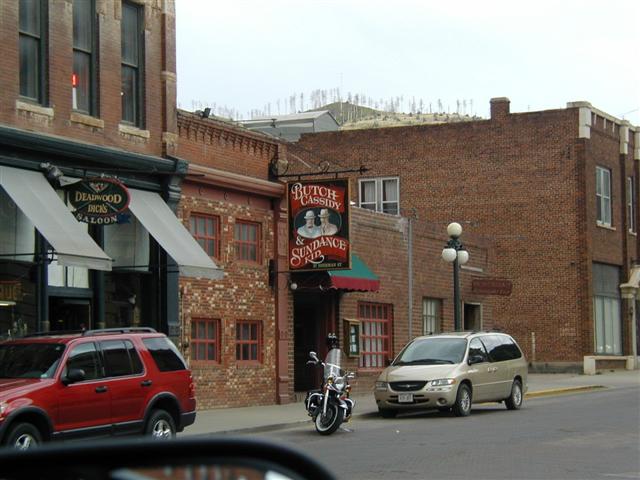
x=319 y=225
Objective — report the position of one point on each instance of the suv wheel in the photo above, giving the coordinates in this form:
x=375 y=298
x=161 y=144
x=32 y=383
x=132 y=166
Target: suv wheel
x=514 y=402
x=161 y=425
x=23 y=436
x=462 y=407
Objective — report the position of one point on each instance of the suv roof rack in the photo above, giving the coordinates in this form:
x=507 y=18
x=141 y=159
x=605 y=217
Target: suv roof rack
x=53 y=333
x=106 y=331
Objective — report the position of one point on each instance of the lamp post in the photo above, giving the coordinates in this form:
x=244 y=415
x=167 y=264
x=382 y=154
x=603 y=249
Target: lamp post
x=454 y=252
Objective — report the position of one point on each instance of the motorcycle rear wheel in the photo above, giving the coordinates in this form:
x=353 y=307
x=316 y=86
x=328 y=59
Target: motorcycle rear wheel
x=329 y=423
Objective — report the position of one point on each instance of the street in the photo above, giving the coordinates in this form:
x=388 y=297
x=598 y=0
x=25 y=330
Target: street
x=593 y=435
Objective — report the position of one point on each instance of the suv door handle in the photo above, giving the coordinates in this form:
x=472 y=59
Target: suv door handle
x=146 y=383
x=102 y=389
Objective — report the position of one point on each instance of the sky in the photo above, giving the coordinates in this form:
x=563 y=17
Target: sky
x=244 y=56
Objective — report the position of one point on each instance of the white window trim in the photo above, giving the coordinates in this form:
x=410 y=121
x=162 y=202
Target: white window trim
x=378 y=202
x=436 y=303
x=601 y=197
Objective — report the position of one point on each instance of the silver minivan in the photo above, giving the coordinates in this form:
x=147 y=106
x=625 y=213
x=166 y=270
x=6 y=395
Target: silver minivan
x=450 y=371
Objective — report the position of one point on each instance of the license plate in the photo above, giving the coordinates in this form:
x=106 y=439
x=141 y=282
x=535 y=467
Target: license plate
x=405 y=398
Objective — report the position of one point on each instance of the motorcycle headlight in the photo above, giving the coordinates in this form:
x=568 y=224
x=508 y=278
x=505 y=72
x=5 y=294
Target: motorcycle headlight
x=442 y=382
x=381 y=386
x=339 y=383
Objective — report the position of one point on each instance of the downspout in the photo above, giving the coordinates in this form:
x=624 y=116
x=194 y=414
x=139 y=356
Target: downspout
x=410 y=274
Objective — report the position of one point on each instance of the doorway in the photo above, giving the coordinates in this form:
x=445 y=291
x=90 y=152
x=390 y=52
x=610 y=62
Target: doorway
x=472 y=317
x=69 y=313
x=313 y=319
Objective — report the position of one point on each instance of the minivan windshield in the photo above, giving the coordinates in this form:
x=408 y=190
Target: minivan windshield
x=29 y=360
x=432 y=351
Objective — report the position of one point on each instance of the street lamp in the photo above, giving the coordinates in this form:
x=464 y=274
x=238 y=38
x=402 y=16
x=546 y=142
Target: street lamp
x=454 y=252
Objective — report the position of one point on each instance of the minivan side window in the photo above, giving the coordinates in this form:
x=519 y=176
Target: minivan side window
x=165 y=354
x=500 y=348
x=84 y=357
x=476 y=348
x=120 y=358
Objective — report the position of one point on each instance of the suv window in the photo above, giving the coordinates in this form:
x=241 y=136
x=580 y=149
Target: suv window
x=36 y=360
x=120 y=358
x=500 y=348
x=85 y=357
x=165 y=354
x=476 y=348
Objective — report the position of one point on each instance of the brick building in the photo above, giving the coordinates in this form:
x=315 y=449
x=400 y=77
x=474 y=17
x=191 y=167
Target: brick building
x=87 y=111
x=556 y=191
x=229 y=193
x=232 y=326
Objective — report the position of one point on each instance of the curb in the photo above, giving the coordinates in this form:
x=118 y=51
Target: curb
x=286 y=425
x=558 y=391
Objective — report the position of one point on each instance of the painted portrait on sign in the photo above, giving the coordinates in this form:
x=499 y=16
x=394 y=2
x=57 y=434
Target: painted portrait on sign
x=319 y=225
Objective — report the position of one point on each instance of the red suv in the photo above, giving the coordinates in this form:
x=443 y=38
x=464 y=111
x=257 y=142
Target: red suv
x=94 y=383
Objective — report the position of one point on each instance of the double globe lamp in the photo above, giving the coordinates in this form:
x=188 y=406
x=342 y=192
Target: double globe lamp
x=454 y=252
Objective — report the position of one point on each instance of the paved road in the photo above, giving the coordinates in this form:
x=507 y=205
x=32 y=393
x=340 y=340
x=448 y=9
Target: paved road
x=592 y=435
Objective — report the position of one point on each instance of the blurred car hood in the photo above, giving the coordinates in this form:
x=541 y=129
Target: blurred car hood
x=416 y=372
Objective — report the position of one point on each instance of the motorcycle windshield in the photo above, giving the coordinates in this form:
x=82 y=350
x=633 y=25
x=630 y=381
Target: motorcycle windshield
x=332 y=364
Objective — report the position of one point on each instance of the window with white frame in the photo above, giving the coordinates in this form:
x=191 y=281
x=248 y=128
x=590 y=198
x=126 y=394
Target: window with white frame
x=607 y=309
x=603 y=196
x=431 y=320
x=380 y=195
x=631 y=204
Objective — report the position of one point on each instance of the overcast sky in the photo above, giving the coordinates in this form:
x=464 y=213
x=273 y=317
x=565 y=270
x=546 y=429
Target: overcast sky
x=246 y=54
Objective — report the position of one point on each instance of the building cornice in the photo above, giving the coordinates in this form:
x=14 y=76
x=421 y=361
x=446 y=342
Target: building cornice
x=198 y=174
x=209 y=130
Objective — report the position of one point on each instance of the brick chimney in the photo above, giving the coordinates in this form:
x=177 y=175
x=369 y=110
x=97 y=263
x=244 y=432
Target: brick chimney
x=499 y=108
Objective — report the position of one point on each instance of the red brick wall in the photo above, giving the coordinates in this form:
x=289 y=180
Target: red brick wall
x=522 y=180
x=159 y=98
x=243 y=294
x=432 y=277
x=215 y=144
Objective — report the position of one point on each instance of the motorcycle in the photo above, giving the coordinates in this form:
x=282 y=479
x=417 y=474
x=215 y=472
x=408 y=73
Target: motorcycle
x=330 y=405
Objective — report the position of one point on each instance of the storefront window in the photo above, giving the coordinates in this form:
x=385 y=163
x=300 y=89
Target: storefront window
x=606 y=309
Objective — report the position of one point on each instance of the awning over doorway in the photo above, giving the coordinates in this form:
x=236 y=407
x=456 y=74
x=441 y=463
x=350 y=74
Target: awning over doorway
x=162 y=224
x=359 y=278
x=41 y=204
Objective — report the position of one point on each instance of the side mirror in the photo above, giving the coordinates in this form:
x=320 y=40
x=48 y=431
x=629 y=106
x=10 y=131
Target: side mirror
x=475 y=359
x=145 y=458
x=388 y=361
x=314 y=356
x=74 y=375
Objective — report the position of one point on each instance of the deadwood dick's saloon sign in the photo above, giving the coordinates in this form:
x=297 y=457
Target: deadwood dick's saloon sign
x=319 y=225
x=98 y=200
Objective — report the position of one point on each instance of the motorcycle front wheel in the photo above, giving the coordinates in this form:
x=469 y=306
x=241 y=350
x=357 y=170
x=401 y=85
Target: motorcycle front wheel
x=329 y=423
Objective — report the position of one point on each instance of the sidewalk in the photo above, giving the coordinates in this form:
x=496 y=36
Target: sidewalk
x=272 y=417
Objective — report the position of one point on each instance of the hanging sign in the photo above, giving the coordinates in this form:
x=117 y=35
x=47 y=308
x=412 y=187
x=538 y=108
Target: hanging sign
x=491 y=286
x=319 y=225
x=98 y=200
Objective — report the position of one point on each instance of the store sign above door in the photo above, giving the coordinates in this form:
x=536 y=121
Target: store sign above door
x=98 y=200
x=319 y=225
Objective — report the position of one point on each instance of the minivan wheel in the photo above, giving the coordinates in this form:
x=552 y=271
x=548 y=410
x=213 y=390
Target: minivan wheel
x=387 y=413
x=161 y=425
x=514 y=402
x=462 y=407
x=23 y=436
